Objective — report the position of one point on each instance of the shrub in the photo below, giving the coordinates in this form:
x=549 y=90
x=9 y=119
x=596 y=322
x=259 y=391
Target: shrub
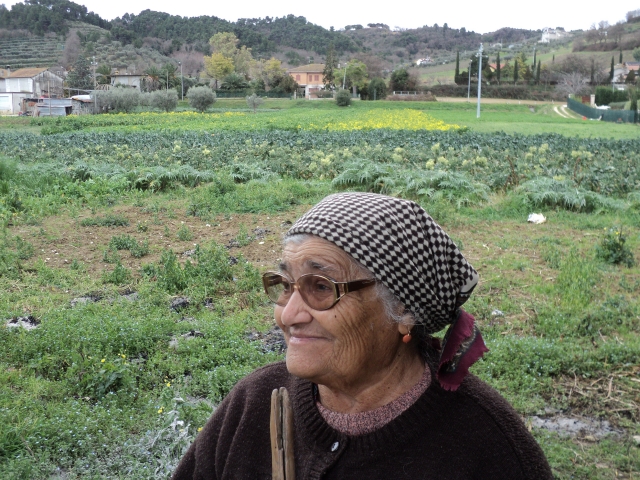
x=166 y=100
x=606 y=96
x=254 y=101
x=343 y=98
x=612 y=248
x=201 y=98
x=380 y=88
x=117 y=100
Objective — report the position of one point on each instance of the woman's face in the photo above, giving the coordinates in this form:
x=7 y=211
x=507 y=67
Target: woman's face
x=341 y=347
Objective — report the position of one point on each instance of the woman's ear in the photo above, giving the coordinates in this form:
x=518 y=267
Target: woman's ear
x=406 y=324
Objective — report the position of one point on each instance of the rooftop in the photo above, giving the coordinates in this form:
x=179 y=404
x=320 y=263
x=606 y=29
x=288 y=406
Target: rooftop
x=27 y=72
x=312 y=67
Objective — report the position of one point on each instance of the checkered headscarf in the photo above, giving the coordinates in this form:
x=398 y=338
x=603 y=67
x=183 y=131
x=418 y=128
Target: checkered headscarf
x=402 y=246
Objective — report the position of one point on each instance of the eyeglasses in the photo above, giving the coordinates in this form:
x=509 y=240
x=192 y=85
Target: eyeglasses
x=317 y=291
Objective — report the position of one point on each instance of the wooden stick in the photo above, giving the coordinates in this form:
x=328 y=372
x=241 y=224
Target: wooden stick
x=281 y=430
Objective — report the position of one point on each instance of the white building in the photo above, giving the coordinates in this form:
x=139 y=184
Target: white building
x=550 y=34
x=126 y=79
x=26 y=83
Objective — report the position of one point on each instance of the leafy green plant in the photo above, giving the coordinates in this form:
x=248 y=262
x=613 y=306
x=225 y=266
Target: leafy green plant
x=120 y=275
x=96 y=377
x=612 y=248
x=184 y=233
x=111 y=255
x=549 y=192
x=108 y=220
x=127 y=242
x=24 y=249
x=243 y=238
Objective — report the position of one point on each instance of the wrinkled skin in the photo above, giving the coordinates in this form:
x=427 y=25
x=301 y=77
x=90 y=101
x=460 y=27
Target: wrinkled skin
x=352 y=351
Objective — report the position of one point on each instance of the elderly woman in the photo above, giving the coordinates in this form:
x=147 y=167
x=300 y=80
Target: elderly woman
x=364 y=281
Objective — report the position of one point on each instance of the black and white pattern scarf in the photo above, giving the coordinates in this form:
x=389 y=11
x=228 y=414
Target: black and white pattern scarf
x=410 y=253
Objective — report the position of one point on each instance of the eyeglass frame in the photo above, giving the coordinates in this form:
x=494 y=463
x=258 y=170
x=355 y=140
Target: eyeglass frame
x=340 y=289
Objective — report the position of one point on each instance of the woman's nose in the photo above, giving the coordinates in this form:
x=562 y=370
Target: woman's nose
x=296 y=310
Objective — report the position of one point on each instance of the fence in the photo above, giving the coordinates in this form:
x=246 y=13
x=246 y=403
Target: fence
x=626 y=116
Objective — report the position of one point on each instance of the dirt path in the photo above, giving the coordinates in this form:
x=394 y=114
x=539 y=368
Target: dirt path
x=495 y=100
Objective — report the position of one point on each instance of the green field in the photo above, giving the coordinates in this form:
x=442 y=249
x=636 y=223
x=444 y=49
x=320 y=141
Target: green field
x=133 y=244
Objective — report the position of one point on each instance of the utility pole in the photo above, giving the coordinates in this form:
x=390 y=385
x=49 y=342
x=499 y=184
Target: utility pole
x=479 y=79
x=344 y=79
x=93 y=64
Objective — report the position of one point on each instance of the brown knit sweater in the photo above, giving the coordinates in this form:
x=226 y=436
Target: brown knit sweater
x=468 y=434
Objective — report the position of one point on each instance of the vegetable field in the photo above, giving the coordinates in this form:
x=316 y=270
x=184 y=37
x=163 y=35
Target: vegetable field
x=132 y=244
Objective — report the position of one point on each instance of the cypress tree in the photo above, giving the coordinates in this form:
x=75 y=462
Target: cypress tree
x=620 y=61
x=515 y=72
x=538 y=74
x=611 y=73
x=498 y=67
x=456 y=77
x=535 y=52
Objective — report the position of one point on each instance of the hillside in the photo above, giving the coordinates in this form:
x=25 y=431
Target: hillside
x=63 y=30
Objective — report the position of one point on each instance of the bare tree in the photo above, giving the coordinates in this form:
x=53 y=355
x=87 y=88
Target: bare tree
x=573 y=84
x=574 y=63
x=71 y=49
x=616 y=32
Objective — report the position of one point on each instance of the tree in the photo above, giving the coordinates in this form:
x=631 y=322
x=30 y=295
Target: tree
x=122 y=99
x=168 y=75
x=612 y=71
x=243 y=60
x=273 y=73
x=234 y=81
x=538 y=73
x=330 y=65
x=573 y=83
x=456 y=75
x=287 y=84
x=633 y=97
x=377 y=89
x=399 y=79
x=533 y=65
x=498 y=68
x=166 y=100
x=103 y=74
x=631 y=78
x=201 y=98
x=620 y=59
x=636 y=54
x=81 y=76
x=254 y=101
x=356 y=72
x=515 y=71
x=218 y=66
x=225 y=43
x=152 y=80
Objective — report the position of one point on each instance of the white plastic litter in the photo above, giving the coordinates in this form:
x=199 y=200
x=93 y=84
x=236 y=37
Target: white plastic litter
x=536 y=218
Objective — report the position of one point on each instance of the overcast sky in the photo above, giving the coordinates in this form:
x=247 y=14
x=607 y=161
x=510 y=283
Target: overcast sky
x=481 y=17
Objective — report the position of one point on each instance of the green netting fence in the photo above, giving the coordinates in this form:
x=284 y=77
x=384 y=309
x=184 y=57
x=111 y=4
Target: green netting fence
x=625 y=116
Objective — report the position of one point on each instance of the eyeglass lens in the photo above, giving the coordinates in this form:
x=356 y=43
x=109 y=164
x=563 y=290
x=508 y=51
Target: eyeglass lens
x=317 y=291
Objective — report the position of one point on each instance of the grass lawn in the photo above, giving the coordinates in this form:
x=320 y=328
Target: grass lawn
x=131 y=247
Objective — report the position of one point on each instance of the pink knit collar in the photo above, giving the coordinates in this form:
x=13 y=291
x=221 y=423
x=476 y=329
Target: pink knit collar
x=367 y=422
